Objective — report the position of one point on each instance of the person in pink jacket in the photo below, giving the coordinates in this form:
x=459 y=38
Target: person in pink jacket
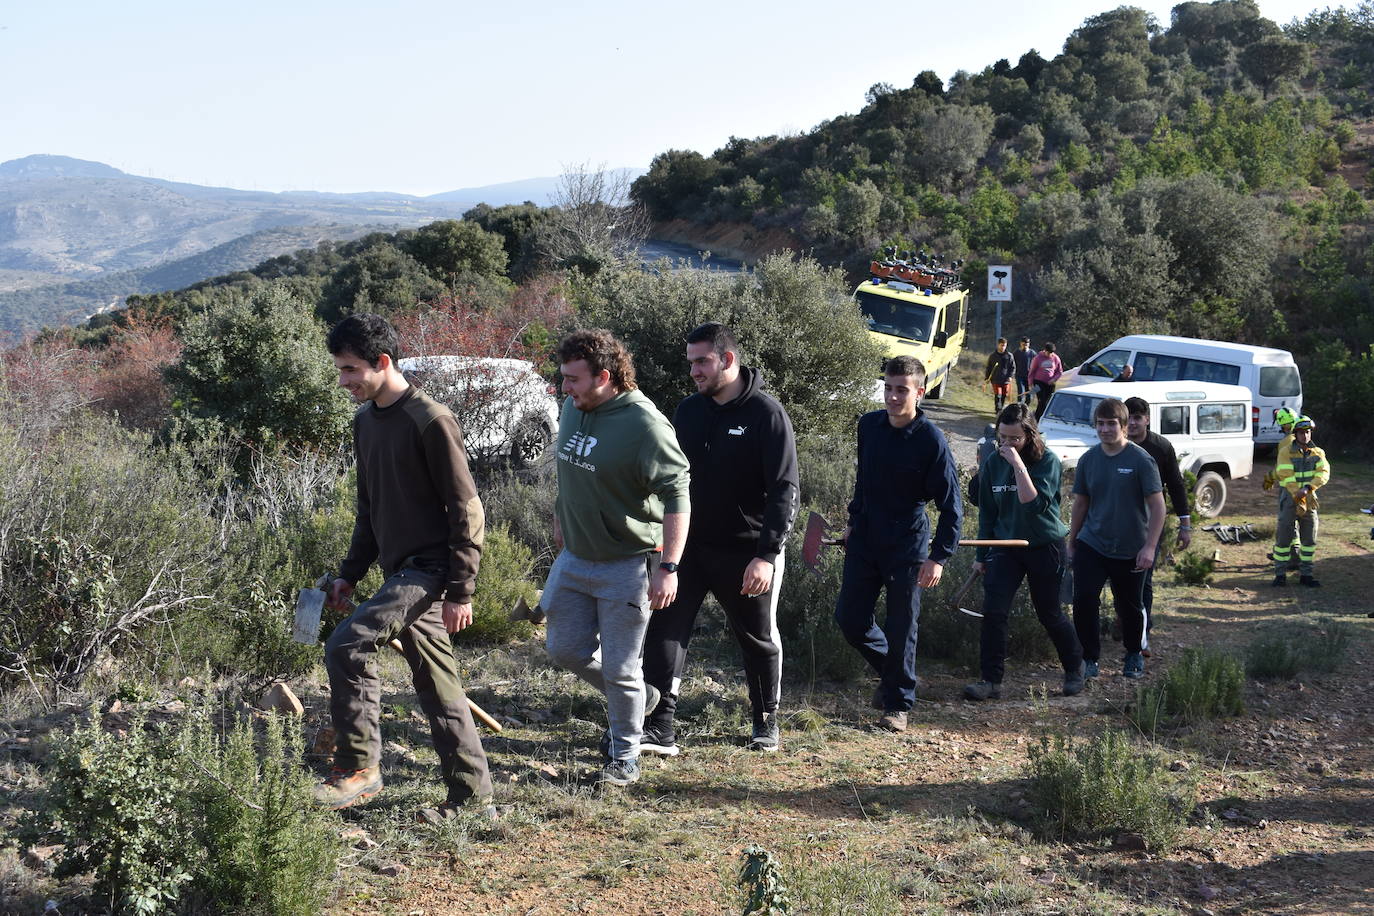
x=1045 y=370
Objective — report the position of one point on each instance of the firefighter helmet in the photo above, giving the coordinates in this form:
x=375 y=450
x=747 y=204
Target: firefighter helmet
x=1285 y=417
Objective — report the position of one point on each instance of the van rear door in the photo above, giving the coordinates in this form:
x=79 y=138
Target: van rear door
x=1279 y=386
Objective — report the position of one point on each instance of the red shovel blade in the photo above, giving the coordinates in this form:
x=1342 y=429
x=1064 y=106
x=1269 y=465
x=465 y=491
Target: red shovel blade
x=816 y=538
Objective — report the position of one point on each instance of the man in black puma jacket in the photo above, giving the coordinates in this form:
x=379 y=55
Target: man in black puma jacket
x=744 y=499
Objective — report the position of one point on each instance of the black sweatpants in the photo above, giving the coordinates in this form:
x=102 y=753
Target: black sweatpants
x=1091 y=570
x=1043 y=566
x=1043 y=392
x=752 y=620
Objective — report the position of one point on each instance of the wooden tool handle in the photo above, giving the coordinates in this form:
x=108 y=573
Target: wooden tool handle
x=478 y=713
x=993 y=542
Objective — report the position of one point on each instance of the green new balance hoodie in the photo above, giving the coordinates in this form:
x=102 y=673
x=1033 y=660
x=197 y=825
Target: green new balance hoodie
x=620 y=469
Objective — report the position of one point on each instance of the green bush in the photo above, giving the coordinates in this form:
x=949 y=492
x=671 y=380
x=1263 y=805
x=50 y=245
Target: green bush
x=760 y=879
x=1107 y=785
x=1194 y=568
x=1281 y=652
x=182 y=817
x=505 y=574
x=1203 y=684
x=522 y=502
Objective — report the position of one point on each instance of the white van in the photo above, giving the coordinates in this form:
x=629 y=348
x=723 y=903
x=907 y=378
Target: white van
x=1271 y=375
x=1206 y=422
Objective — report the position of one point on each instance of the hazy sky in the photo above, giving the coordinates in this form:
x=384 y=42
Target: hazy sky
x=423 y=96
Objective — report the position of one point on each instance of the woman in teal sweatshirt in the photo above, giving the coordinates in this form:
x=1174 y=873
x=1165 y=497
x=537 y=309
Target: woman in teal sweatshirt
x=1018 y=497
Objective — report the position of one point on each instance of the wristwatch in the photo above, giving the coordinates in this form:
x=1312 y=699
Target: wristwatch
x=668 y=567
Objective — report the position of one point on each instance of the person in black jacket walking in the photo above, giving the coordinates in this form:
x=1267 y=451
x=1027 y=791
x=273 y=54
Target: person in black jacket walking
x=1022 y=355
x=903 y=463
x=1000 y=372
x=1162 y=451
x=744 y=494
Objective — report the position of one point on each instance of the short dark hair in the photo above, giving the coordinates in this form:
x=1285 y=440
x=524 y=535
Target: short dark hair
x=1018 y=413
x=1110 y=409
x=601 y=350
x=906 y=365
x=366 y=336
x=1001 y=340
x=717 y=335
x=1025 y=340
x=1048 y=348
x=1137 y=407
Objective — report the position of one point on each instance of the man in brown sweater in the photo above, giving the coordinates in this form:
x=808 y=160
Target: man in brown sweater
x=419 y=518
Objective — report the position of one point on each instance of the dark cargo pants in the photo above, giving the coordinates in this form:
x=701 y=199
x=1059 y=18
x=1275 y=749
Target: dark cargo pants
x=407 y=607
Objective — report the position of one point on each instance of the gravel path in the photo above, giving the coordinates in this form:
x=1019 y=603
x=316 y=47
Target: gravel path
x=961 y=427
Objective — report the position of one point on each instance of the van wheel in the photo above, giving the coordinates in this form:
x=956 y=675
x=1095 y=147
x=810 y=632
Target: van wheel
x=1211 y=494
x=529 y=443
x=938 y=391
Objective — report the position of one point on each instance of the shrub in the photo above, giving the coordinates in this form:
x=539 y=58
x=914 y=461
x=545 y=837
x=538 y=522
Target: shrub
x=522 y=502
x=505 y=574
x=168 y=818
x=1203 y=684
x=764 y=891
x=1106 y=785
x=1194 y=568
x=1282 y=652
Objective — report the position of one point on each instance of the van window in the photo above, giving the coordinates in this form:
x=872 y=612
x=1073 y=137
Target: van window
x=1108 y=365
x=1153 y=367
x=1222 y=418
x=1173 y=421
x=1200 y=370
x=1279 y=382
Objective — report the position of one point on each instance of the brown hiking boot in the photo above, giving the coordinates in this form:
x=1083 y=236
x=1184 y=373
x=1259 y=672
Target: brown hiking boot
x=342 y=788
x=893 y=721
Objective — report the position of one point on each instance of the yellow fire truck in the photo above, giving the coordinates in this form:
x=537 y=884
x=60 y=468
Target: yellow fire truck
x=917 y=306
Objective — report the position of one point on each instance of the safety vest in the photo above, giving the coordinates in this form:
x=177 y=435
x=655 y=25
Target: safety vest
x=1303 y=467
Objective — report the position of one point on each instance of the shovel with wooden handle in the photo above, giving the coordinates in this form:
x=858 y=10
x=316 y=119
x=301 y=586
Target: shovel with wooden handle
x=309 y=606
x=958 y=601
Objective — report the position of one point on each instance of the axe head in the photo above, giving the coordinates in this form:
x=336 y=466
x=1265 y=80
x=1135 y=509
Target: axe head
x=309 y=605
x=970 y=612
x=817 y=537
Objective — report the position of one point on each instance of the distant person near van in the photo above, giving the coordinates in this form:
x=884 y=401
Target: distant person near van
x=1001 y=369
x=1118 y=514
x=1018 y=497
x=1127 y=374
x=1301 y=471
x=1045 y=370
x=1166 y=459
x=1023 y=356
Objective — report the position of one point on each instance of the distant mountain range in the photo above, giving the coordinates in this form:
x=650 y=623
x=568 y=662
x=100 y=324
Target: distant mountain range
x=76 y=236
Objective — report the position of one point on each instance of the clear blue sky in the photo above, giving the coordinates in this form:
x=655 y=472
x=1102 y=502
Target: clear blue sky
x=423 y=96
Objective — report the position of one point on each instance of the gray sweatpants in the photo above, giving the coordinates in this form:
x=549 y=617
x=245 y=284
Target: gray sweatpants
x=598 y=612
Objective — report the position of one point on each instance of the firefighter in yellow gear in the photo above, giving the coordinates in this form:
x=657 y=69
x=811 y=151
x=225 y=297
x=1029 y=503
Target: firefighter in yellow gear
x=1302 y=468
x=1284 y=420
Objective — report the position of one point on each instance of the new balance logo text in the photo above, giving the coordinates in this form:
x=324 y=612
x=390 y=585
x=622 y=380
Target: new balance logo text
x=580 y=445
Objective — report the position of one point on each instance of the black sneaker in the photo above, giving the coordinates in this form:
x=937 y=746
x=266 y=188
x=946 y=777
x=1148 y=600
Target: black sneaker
x=605 y=745
x=658 y=740
x=619 y=773
x=983 y=690
x=1279 y=581
x=1075 y=681
x=1310 y=582
x=766 y=735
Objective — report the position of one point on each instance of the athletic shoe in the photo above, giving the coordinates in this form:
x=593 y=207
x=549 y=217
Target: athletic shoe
x=658 y=740
x=1310 y=582
x=651 y=698
x=1090 y=667
x=342 y=788
x=1075 y=681
x=1134 y=666
x=767 y=737
x=619 y=773
x=1279 y=580
x=983 y=690
x=893 y=721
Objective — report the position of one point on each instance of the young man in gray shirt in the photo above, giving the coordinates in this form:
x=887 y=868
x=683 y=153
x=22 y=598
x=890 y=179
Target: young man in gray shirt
x=1118 y=514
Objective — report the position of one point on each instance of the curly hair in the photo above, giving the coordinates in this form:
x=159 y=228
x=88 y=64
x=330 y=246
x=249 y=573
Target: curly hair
x=601 y=350
x=1033 y=449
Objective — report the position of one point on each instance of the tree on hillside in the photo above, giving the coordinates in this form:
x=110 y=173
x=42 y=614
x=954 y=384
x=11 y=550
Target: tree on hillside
x=379 y=278
x=953 y=139
x=797 y=321
x=677 y=182
x=1272 y=59
x=450 y=248
x=594 y=223
x=258 y=372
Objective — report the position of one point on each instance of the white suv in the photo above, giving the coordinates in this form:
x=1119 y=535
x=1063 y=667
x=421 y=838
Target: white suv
x=507 y=410
x=1208 y=424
